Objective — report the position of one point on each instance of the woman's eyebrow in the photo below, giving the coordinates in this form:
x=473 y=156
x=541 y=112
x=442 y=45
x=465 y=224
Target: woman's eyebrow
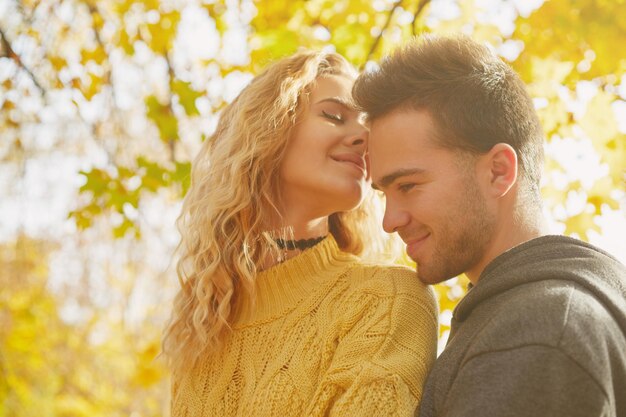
x=347 y=104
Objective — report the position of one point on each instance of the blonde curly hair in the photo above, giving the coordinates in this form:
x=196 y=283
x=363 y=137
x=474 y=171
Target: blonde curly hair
x=234 y=191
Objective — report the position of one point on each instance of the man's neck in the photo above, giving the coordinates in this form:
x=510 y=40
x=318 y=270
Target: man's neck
x=506 y=237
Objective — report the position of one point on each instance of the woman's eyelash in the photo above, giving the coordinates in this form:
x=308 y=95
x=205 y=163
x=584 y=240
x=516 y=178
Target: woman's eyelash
x=332 y=116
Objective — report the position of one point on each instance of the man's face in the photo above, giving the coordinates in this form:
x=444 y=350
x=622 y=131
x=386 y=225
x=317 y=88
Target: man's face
x=433 y=199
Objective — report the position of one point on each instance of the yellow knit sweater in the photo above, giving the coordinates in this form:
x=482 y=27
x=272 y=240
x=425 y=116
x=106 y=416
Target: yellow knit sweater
x=328 y=336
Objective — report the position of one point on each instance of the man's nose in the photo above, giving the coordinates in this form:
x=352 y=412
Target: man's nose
x=396 y=217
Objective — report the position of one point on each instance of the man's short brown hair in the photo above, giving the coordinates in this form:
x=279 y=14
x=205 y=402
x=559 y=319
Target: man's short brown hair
x=474 y=98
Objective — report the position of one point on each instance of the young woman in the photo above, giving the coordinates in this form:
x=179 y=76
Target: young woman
x=277 y=316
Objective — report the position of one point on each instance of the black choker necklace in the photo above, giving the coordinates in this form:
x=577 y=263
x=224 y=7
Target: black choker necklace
x=301 y=244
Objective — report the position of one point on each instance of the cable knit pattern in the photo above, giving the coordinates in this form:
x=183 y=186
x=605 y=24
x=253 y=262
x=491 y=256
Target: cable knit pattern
x=328 y=336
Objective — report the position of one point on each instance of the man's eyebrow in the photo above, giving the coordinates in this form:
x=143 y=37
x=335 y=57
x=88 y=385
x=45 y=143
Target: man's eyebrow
x=390 y=178
x=347 y=104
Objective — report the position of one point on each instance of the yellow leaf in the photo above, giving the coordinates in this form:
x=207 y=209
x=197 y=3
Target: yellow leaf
x=125 y=41
x=599 y=121
x=487 y=33
x=600 y=194
x=581 y=224
x=162 y=33
x=566 y=31
x=97 y=55
x=613 y=153
x=73 y=405
x=98 y=21
x=91 y=87
x=148 y=370
x=58 y=63
x=547 y=75
x=354 y=42
x=554 y=117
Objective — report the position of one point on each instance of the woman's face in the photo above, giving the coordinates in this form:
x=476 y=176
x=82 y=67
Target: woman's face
x=324 y=168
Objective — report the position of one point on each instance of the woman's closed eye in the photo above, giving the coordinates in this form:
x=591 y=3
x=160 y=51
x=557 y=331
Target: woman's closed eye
x=335 y=117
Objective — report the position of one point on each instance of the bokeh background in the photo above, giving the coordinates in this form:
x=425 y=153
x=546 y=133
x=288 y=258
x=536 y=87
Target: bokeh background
x=104 y=103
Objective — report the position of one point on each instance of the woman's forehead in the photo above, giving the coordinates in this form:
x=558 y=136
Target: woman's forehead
x=338 y=87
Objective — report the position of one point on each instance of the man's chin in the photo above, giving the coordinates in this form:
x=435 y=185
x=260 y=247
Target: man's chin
x=424 y=278
x=430 y=278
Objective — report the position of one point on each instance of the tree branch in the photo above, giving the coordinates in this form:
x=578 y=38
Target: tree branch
x=171 y=77
x=420 y=7
x=27 y=16
x=8 y=52
x=94 y=12
x=380 y=35
x=120 y=127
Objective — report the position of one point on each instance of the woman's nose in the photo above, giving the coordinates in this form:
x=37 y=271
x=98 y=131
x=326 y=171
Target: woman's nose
x=358 y=137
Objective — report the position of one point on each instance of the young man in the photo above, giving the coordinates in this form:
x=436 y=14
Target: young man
x=456 y=146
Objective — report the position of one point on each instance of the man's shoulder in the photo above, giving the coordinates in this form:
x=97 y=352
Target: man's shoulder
x=556 y=303
x=556 y=325
x=541 y=313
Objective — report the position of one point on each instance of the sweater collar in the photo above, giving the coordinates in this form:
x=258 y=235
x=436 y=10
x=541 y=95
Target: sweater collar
x=284 y=286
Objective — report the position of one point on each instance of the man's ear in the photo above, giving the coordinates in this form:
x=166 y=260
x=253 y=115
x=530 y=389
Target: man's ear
x=500 y=166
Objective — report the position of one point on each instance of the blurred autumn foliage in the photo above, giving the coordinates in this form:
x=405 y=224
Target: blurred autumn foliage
x=120 y=93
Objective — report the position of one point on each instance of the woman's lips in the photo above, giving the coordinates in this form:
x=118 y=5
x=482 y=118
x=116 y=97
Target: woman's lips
x=353 y=159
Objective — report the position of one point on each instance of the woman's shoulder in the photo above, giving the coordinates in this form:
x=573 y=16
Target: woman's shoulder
x=394 y=291
x=387 y=280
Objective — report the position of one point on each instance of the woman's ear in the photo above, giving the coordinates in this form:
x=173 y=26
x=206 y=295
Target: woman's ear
x=500 y=165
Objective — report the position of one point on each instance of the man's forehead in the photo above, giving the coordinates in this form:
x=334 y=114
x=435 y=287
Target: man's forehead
x=403 y=133
x=404 y=117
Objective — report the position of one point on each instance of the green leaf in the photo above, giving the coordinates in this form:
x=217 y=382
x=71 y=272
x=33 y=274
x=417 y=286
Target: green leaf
x=164 y=119
x=97 y=181
x=121 y=230
x=187 y=96
x=354 y=42
x=182 y=175
x=153 y=175
x=274 y=43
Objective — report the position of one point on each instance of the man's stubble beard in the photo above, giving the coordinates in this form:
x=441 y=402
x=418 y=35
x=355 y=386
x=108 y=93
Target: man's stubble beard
x=463 y=238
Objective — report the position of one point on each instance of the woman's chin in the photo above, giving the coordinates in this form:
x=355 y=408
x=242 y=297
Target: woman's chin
x=349 y=199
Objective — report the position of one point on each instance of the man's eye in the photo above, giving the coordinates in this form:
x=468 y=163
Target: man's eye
x=406 y=187
x=333 y=117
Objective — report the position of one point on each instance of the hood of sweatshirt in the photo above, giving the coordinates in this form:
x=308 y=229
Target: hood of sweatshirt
x=553 y=258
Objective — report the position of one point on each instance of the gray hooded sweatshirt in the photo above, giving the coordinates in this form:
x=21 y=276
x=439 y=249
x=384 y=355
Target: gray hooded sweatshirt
x=542 y=334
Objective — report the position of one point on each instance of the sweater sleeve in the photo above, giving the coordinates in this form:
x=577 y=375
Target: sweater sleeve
x=387 y=345
x=532 y=380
